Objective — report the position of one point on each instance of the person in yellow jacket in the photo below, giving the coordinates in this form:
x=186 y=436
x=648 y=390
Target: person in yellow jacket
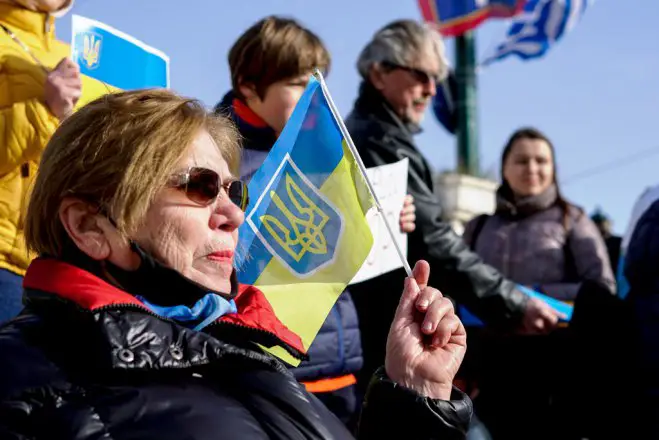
x=39 y=86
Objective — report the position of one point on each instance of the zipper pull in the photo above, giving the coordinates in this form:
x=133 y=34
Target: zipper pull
x=25 y=170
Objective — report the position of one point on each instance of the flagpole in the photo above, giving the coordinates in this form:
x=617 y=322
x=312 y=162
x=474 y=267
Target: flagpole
x=362 y=168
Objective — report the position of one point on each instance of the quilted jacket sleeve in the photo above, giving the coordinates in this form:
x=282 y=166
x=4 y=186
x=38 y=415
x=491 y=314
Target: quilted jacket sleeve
x=25 y=128
x=590 y=259
x=392 y=411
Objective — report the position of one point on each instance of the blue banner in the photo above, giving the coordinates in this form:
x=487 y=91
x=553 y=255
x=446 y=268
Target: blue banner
x=470 y=320
x=443 y=103
x=116 y=58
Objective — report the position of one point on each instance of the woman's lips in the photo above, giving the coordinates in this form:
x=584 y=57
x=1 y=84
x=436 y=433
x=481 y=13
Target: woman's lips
x=225 y=255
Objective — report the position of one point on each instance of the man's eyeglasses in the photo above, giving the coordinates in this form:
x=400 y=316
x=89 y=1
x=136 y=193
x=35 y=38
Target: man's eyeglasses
x=203 y=186
x=418 y=74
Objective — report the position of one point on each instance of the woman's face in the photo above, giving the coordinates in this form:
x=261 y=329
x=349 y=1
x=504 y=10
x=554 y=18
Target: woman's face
x=529 y=168
x=196 y=240
x=42 y=5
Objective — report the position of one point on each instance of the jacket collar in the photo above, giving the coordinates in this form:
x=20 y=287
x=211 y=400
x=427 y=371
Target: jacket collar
x=91 y=293
x=371 y=102
x=256 y=133
x=36 y=23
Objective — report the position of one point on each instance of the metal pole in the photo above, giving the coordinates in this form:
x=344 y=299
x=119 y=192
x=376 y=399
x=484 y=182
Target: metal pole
x=466 y=104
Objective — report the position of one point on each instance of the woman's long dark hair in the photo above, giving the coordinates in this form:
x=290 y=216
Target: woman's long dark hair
x=535 y=134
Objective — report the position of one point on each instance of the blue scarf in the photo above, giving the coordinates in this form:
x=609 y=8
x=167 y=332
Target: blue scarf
x=205 y=311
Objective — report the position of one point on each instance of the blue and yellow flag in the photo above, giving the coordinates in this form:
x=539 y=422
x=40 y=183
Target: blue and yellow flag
x=116 y=58
x=305 y=234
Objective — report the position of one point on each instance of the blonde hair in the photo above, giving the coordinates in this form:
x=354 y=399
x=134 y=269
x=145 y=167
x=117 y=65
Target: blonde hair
x=118 y=152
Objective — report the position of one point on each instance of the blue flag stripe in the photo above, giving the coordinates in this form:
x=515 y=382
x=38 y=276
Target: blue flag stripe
x=318 y=163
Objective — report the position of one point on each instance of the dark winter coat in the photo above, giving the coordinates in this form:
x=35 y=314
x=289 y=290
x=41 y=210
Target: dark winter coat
x=86 y=360
x=529 y=242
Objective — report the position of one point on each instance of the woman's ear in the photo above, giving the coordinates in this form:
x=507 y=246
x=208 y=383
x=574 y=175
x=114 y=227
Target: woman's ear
x=89 y=230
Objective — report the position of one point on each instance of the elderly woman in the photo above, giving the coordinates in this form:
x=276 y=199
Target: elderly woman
x=135 y=325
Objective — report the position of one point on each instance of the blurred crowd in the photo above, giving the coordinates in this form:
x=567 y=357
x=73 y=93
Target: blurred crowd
x=106 y=307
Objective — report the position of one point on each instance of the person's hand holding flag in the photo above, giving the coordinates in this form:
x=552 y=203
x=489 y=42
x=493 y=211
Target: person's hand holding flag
x=427 y=341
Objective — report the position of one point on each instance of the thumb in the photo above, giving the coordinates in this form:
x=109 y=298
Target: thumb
x=421 y=273
x=66 y=66
x=63 y=63
x=406 y=305
x=413 y=286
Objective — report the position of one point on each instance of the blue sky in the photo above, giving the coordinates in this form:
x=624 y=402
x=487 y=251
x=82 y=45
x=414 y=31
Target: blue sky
x=595 y=94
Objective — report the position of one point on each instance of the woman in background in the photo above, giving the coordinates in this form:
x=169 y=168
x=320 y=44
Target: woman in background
x=542 y=241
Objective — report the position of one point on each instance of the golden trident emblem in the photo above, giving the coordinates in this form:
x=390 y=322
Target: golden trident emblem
x=306 y=230
x=91 y=50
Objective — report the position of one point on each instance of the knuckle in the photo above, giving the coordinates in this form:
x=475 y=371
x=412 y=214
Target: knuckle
x=430 y=292
x=437 y=293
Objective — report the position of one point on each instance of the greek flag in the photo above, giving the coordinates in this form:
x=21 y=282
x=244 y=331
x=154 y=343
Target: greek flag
x=541 y=24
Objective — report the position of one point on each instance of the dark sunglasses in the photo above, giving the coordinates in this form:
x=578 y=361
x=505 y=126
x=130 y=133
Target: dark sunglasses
x=418 y=74
x=203 y=186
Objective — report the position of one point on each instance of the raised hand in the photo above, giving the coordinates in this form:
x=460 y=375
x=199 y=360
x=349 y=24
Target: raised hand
x=427 y=341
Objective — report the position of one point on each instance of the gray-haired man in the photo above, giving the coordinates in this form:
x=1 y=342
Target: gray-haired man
x=400 y=68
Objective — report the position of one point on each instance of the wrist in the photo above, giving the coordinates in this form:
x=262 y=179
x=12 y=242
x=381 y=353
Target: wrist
x=424 y=388
x=432 y=391
x=52 y=109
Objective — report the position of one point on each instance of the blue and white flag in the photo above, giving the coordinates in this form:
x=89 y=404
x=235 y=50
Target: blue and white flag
x=541 y=24
x=115 y=58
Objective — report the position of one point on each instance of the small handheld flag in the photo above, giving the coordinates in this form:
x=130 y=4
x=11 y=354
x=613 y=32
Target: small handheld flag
x=306 y=235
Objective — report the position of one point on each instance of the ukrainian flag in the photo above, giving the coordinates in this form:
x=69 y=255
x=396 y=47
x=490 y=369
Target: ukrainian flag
x=115 y=58
x=305 y=234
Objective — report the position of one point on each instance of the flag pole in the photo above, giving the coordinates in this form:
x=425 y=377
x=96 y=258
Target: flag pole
x=351 y=145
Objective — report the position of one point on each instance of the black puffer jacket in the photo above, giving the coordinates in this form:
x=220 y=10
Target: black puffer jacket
x=641 y=263
x=382 y=138
x=86 y=360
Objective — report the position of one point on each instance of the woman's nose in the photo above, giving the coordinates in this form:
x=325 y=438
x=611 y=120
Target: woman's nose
x=226 y=215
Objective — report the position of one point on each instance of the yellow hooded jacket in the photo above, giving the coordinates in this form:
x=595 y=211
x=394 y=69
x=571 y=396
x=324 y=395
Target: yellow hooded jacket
x=26 y=123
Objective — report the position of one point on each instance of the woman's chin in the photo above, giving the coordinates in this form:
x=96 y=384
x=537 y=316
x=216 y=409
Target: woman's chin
x=220 y=286
x=217 y=279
